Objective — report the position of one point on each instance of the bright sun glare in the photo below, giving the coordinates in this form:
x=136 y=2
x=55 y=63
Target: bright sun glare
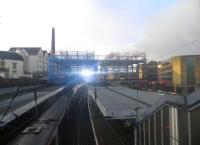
x=86 y=73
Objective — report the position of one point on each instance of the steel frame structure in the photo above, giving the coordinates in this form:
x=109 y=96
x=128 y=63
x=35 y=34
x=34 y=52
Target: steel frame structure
x=118 y=65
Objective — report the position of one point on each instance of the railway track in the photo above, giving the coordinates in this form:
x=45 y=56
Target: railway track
x=109 y=131
x=77 y=129
x=105 y=132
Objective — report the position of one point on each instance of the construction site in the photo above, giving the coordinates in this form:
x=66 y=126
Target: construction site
x=111 y=67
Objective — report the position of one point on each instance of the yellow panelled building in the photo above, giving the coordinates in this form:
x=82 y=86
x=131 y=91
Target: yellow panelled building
x=186 y=72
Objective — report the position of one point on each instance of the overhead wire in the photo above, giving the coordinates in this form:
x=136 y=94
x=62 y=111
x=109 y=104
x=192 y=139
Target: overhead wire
x=178 y=48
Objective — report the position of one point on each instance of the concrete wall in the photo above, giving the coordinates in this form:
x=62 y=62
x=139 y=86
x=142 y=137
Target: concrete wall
x=24 y=54
x=45 y=62
x=3 y=74
x=40 y=61
x=33 y=63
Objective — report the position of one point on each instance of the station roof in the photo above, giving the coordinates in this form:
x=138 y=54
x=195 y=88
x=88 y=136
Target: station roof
x=112 y=104
x=193 y=100
x=144 y=101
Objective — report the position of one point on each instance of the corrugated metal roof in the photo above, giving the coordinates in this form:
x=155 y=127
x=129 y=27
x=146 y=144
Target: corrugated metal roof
x=10 y=55
x=149 y=97
x=115 y=105
x=119 y=97
x=155 y=99
x=193 y=98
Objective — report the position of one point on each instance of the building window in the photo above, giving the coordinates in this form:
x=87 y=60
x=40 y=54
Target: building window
x=2 y=63
x=190 y=70
x=14 y=66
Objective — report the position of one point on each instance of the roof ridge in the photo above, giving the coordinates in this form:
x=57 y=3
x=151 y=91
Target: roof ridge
x=10 y=55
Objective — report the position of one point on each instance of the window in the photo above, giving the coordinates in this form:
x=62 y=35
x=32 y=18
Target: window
x=2 y=63
x=14 y=66
x=190 y=70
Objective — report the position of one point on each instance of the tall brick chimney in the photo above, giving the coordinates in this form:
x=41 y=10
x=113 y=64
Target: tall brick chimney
x=53 y=41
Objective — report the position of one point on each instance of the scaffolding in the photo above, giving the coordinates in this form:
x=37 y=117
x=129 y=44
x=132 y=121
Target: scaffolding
x=114 y=66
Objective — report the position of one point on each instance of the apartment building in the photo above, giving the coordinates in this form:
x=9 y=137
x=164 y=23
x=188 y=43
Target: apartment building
x=11 y=65
x=183 y=71
x=35 y=59
x=186 y=72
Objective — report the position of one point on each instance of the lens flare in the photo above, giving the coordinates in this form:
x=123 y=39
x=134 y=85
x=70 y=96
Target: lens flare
x=86 y=73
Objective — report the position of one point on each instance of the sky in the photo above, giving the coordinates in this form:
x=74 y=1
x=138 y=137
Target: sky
x=157 y=27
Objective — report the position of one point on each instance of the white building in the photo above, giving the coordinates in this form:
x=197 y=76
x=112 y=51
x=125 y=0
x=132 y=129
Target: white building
x=45 y=60
x=11 y=65
x=35 y=60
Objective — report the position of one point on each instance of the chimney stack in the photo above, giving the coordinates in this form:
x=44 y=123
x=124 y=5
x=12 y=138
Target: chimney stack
x=53 y=41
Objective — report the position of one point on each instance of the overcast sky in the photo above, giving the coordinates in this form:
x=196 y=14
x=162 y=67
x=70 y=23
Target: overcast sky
x=153 y=26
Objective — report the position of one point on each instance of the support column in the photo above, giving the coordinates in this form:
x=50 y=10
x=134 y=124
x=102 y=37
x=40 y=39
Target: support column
x=135 y=136
x=149 y=131
x=174 y=136
x=144 y=132
x=189 y=128
x=140 y=138
x=154 y=118
x=162 y=129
